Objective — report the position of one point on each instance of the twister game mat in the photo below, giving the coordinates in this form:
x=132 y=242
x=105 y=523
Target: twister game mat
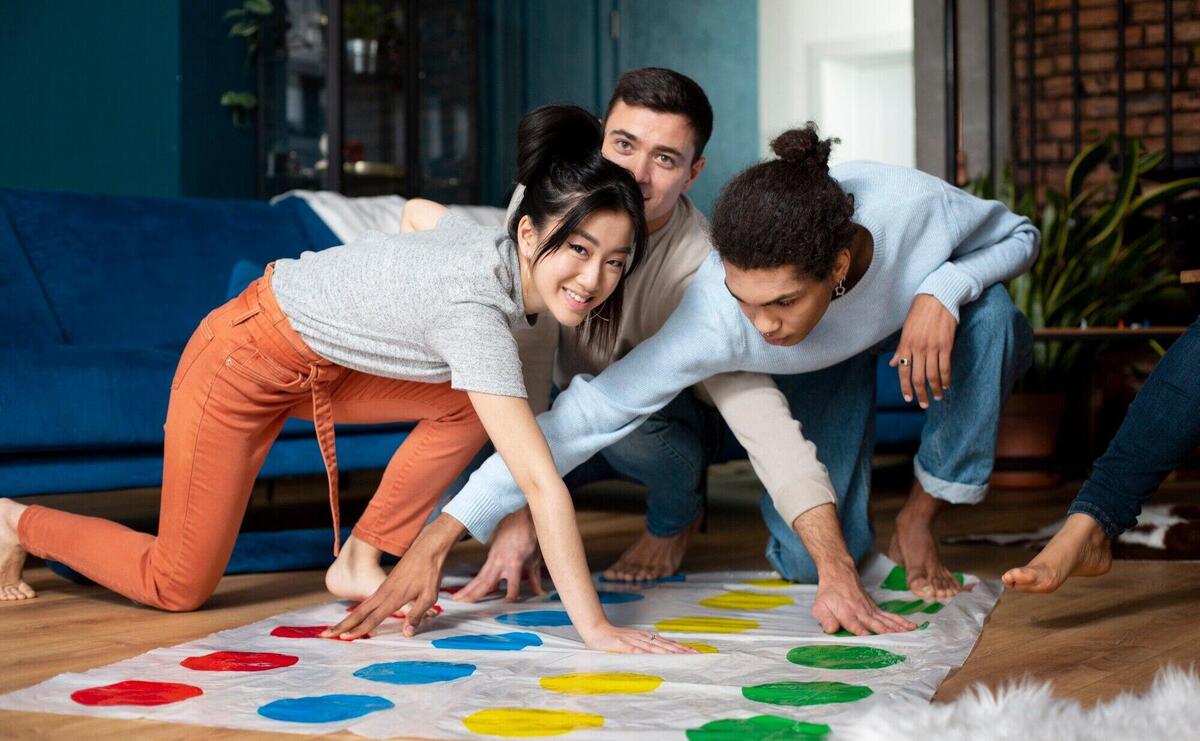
x=496 y=670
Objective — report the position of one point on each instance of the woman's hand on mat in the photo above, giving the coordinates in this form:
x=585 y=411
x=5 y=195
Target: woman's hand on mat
x=412 y=587
x=843 y=603
x=514 y=554
x=608 y=637
x=923 y=356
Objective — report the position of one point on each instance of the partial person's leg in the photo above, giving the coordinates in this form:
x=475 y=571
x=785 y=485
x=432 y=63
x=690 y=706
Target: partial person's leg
x=836 y=411
x=993 y=346
x=1160 y=429
x=226 y=408
x=447 y=435
x=669 y=453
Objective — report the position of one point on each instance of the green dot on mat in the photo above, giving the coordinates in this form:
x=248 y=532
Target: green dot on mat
x=758 y=728
x=897 y=580
x=805 y=693
x=835 y=656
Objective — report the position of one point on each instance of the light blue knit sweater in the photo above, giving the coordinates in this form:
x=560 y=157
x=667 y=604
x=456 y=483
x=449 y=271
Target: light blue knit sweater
x=929 y=237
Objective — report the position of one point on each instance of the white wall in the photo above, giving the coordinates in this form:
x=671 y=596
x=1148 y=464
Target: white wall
x=848 y=66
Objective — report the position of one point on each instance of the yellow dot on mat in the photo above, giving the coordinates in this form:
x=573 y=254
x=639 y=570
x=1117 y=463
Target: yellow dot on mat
x=529 y=722
x=705 y=625
x=747 y=601
x=703 y=648
x=768 y=583
x=615 y=683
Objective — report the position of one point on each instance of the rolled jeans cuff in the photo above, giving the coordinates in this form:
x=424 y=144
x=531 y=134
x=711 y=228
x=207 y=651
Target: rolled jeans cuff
x=948 y=491
x=1111 y=529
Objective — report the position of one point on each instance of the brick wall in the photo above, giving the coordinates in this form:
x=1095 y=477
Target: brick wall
x=1052 y=147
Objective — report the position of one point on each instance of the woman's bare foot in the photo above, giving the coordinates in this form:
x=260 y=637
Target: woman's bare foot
x=651 y=557
x=914 y=547
x=1080 y=548
x=12 y=555
x=356 y=573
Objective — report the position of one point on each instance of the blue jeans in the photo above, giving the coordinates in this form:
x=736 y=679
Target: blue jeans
x=1160 y=429
x=669 y=453
x=836 y=408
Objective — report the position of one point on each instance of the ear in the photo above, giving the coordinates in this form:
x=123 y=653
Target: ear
x=527 y=237
x=697 y=168
x=841 y=265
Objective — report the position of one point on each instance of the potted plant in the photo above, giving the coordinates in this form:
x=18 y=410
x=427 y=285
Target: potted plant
x=364 y=22
x=247 y=23
x=1101 y=257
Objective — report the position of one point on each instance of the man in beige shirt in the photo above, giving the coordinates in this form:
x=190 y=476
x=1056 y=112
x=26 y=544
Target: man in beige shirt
x=657 y=125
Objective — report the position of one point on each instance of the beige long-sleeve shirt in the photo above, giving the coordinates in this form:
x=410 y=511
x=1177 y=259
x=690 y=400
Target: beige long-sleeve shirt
x=752 y=405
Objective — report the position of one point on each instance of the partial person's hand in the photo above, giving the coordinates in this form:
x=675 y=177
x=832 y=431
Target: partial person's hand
x=412 y=587
x=843 y=603
x=608 y=637
x=513 y=554
x=923 y=356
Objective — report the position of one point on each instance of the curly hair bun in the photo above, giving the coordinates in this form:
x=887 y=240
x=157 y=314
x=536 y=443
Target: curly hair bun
x=803 y=147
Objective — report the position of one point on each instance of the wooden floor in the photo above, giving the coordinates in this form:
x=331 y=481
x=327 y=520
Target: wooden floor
x=1094 y=638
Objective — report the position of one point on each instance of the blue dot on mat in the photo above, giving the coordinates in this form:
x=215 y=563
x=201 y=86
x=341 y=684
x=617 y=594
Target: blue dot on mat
x=324 y=708
x=415 y=672
x=501 y=642
x=545 y=618
x=609 y=598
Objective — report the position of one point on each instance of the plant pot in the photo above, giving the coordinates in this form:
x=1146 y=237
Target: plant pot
x=1029 y=428
x=362 y=54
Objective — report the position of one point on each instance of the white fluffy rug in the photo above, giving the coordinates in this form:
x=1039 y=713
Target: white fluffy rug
x=1027 y=710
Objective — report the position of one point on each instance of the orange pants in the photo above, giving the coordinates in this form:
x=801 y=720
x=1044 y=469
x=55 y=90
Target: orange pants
x=242 y=374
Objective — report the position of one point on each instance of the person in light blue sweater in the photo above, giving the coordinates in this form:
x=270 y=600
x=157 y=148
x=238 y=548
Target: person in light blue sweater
x=815 y=272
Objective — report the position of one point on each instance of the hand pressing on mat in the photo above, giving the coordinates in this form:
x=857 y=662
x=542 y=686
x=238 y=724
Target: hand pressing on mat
x=841 y=601
x=513 y=555
x=412 y=587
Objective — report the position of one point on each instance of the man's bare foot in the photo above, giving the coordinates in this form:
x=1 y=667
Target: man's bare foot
x=914 y=547
x=356 y=573
x=1080 y=548
x=651 y=557
x=12 y=555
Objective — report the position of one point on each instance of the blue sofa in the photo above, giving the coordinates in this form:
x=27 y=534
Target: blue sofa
x=100 y=293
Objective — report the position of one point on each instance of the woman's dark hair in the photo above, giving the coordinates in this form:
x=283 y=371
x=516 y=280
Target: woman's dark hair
x=786 y=211
x=559 y=163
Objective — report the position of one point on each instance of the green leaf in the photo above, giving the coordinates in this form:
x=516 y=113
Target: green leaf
x=1157 y=195
x=1127 y=183
x=259 y=7
x=1085 y=162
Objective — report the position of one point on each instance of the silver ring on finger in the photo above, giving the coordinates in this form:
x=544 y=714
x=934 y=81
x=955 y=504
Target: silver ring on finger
x=904 y=362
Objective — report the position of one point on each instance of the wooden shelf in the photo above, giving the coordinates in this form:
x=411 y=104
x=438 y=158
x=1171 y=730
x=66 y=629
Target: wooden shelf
x=1189 y=276
x=1107 y=333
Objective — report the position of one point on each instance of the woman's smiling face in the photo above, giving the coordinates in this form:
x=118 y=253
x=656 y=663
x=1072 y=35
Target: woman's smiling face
x=576 y=277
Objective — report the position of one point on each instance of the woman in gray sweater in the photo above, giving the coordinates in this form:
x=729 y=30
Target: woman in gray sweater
x=410 y=327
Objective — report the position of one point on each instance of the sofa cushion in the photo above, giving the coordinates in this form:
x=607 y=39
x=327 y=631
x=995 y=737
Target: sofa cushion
x=140 y=272
x=25 y=316
x=87 y=398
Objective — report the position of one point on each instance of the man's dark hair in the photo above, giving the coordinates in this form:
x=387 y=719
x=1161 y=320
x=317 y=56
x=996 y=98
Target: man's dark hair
x=667 y=91
x=787 y=211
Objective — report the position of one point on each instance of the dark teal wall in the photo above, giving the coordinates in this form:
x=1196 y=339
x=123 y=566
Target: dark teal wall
x=90 y=95
x=120 y=96
x=546 y=51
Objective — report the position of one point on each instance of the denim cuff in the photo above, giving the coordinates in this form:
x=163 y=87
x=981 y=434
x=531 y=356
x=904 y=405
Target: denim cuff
x=1111 y=529
x=948 y=491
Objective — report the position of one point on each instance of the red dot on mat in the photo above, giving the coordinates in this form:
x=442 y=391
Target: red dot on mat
x=302 y=631
x=238 y=661
x=135 y=692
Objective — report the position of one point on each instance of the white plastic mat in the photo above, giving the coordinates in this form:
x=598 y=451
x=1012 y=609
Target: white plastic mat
x=767 y=671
